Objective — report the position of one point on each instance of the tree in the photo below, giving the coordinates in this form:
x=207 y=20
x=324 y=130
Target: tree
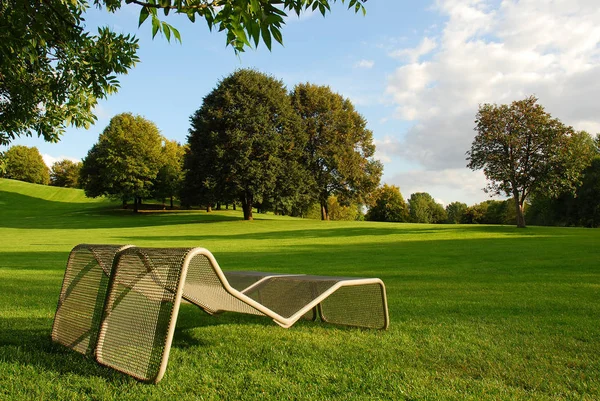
x=339 y=151
x=523 y=150
x=243 y=140
x=588 y=194
x=125 y=160
x=455 y=211
x=389 y=205
x=52 y=71
x=26 y=164
x=424 y=209
x=65 y=173
x=170 y=175
x=2 y=164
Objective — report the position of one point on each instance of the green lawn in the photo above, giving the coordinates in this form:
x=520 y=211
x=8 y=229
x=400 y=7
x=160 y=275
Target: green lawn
x=477 y=312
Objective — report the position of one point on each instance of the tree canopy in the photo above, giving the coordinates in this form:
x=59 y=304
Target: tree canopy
x=65 y=173
x=523 y=150
x=424 y=209
x=244 y=143
x=53 y=71
x=339 y=149
x=125 y=160
x=169 y=178
x=389 y=205
x=26 y=164
x=455 y=211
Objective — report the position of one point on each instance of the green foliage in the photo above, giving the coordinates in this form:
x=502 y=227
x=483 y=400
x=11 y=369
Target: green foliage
x=455 y=212
x=52 y=72
x=245 y=22
x=169 y=178
x=125 y=160
x=65 y=173
x=245 y=144
x=490 y=212
x=389 y=205
x=339 y=151
x=26 y=164
x=2 y=165
x=523 y=151
x=424 y=209
x=579 y=209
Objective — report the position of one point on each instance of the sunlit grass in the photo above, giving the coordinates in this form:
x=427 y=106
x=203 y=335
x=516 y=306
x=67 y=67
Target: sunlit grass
x=477 y=312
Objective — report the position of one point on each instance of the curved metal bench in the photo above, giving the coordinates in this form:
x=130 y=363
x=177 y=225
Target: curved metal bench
x=127 y=313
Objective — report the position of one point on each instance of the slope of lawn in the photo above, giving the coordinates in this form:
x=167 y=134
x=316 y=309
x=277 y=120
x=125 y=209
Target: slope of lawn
x=477 y=312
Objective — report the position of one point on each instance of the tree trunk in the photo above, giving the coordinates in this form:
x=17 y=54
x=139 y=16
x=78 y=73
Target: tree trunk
x=247 y=203
x=519 y=209
x=324 y=211
x=124 y=203
x=171 y=202
x=218 y=206
x=208 y=208
x=234 y=207
x=135 y=204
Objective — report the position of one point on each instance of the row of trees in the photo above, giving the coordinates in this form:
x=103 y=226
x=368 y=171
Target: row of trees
x=250 y=143
x=389 y=205
x=253 y=142
x=26 y=164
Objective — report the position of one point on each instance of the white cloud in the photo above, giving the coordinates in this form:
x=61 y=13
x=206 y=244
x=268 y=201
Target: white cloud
x=50 y=160
x=367 y=64
x=494 y=53
x=413 y=55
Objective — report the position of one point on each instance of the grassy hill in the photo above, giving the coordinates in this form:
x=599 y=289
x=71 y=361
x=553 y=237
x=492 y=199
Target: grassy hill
x=477 y=312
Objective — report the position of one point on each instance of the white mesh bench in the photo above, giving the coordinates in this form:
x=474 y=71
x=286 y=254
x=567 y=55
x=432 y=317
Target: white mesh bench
x=120 y=303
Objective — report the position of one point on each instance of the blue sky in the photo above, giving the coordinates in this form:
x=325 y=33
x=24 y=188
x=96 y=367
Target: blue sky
x=416 y=70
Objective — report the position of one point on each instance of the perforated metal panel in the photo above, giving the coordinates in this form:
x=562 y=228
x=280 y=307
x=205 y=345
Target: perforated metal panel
x=82 y=296
x=141 y=311
x=204 y=288
x=356 y=305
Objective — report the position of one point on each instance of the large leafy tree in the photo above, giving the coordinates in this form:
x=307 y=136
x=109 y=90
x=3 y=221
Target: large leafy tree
x=339 y=151
x=389 y=205
x=53 y=71
x=244 y=141
x=26 y=164
x=65 y=173
x=125 y=160
x=523 y=151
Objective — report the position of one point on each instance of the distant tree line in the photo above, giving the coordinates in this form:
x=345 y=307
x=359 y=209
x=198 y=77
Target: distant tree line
x=308 y=153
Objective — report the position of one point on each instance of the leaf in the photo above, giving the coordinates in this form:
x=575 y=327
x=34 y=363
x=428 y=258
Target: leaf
x=155 y=26
x=166 y=31
x=143 y=15
x=266 y=36
x=277 y=35
x=176 y=34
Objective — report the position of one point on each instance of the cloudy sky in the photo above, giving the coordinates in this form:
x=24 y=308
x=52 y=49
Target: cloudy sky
x=416 y=70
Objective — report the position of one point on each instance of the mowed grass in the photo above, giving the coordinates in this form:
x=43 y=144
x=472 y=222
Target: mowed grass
x=477 y=312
